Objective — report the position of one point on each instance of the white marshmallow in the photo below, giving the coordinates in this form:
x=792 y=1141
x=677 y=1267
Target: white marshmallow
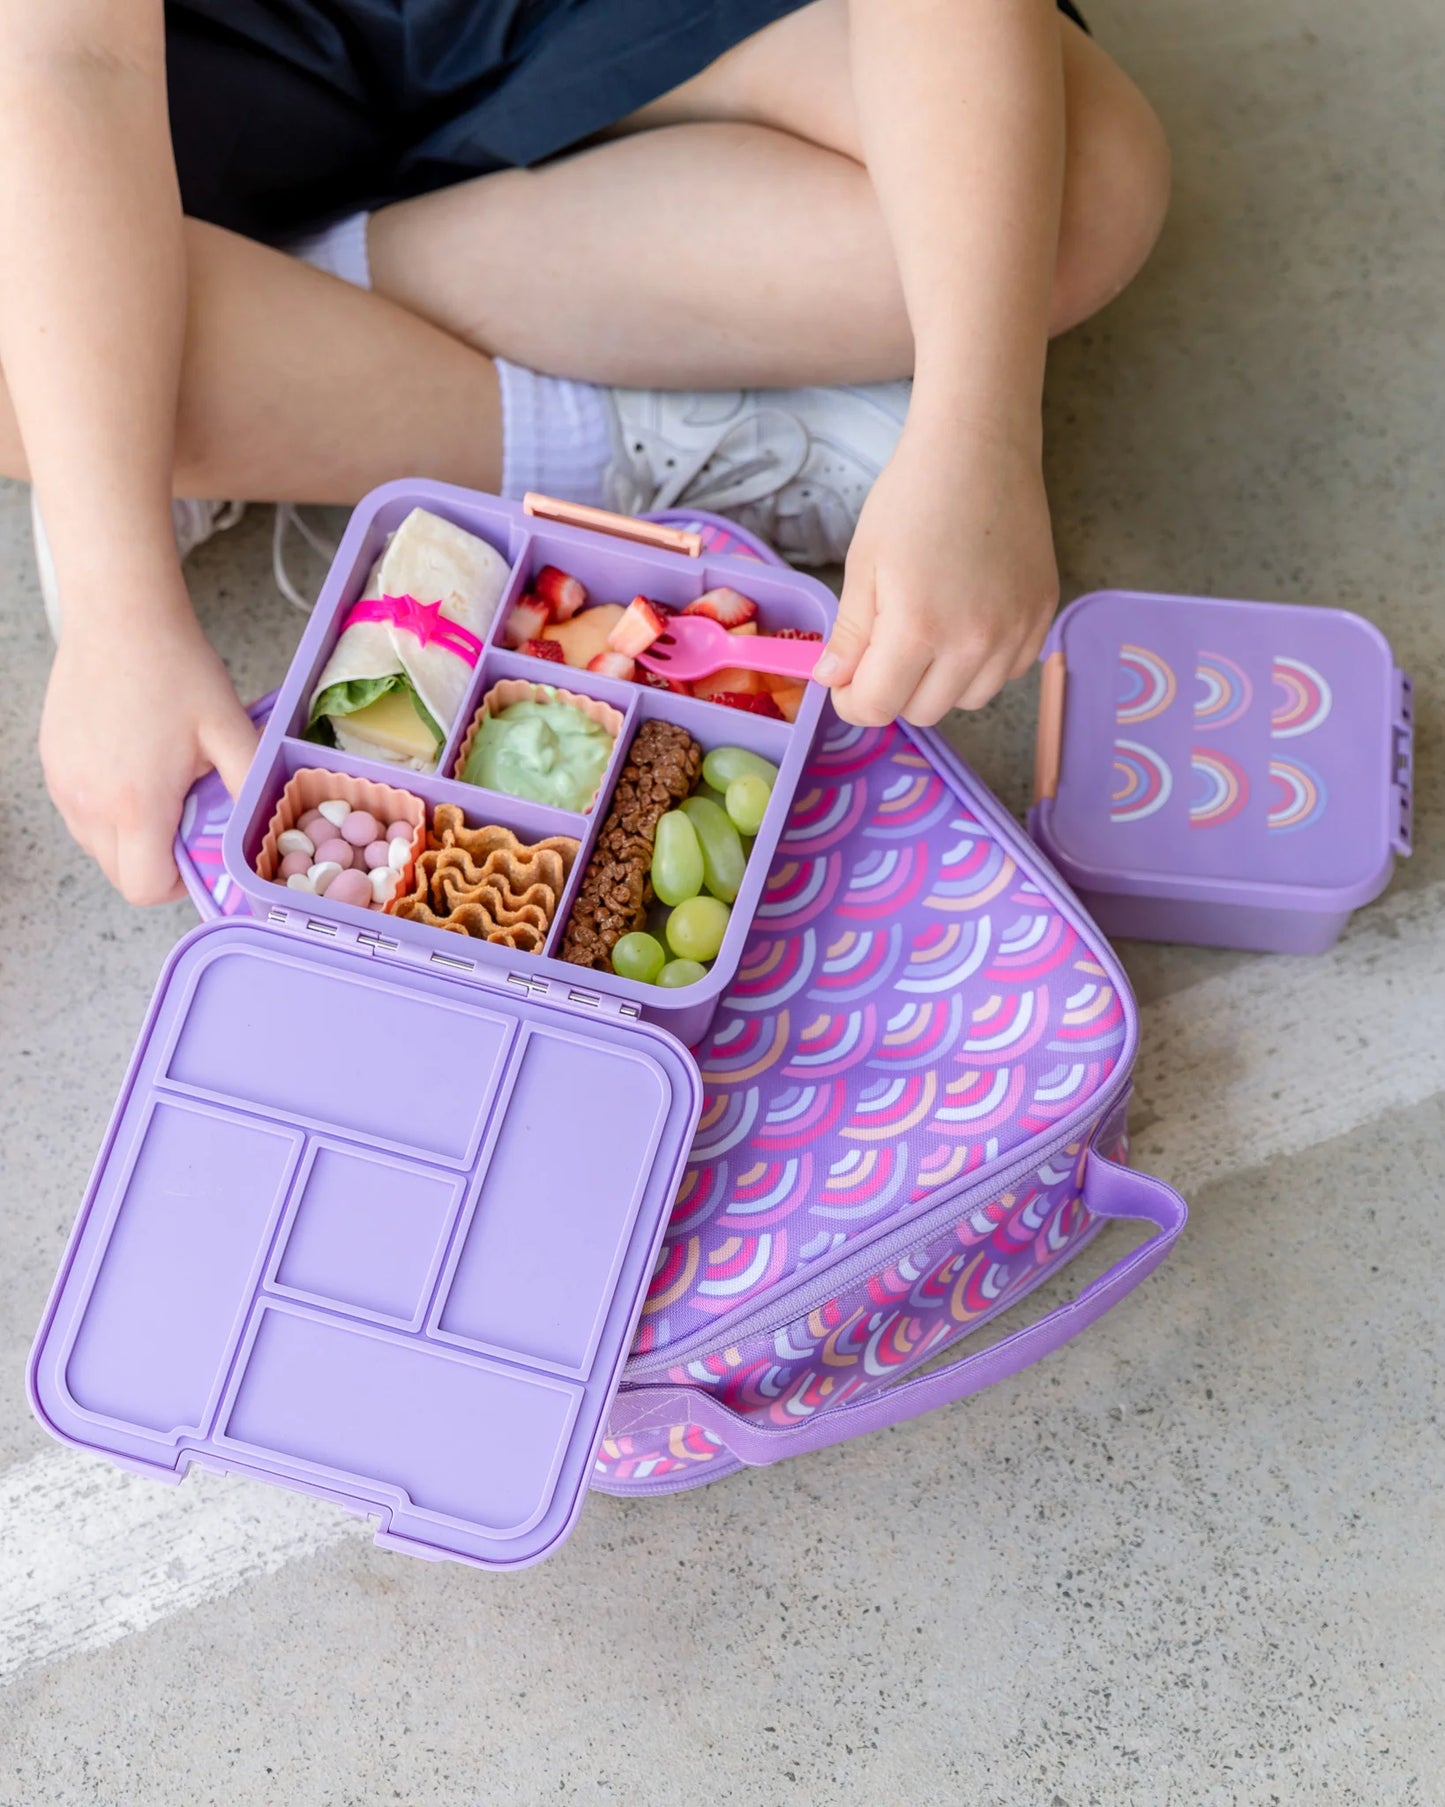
x=335 y=811
x=293 y=841
x=321 y=875
x=300 y=881
x=385 y=883
x=398 y=852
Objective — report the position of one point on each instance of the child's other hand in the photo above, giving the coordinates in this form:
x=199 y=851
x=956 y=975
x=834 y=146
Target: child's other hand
x=950 y=584
x=133 y=715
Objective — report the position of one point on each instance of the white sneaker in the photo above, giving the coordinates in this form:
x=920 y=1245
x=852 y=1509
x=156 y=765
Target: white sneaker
x=793 y=465
x=192 y=522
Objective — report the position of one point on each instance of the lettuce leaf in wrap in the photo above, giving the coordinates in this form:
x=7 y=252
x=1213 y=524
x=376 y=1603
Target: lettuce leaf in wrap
x=357 y=693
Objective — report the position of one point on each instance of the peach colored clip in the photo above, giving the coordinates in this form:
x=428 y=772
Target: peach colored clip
x=621 y=526
x=1049 y=744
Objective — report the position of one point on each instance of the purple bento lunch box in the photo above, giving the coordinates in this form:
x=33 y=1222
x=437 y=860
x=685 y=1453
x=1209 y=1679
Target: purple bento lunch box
x=614 y=568
x=378 y=1205
x=1235 y=774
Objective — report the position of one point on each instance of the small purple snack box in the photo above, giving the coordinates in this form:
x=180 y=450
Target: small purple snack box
x=1234 y=774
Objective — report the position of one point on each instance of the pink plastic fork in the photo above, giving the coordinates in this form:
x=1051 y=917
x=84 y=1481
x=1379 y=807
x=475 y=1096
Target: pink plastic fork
x=695 y=646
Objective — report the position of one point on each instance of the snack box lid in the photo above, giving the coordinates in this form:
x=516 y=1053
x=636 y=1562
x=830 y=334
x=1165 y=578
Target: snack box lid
x=1247 y=752
x=371 y=1230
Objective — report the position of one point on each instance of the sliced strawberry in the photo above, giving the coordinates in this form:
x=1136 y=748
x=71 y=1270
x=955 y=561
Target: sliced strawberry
x=748 y=627
x=728 y=607
x=639 y=627
x=526 y=622
x=654 y=680
x=614 y=665
x=562 y=593
x=752 y=702
x=794 y=633
x=543 y=649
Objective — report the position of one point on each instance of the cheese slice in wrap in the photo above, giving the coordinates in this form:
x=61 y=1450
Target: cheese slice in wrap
x=383 y=694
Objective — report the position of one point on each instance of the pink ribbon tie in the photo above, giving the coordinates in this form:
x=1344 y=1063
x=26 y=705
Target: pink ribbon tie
x=423 y=619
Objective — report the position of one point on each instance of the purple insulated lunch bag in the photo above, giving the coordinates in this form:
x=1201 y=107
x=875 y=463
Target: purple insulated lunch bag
x=913 y=1114
x=914 y=1101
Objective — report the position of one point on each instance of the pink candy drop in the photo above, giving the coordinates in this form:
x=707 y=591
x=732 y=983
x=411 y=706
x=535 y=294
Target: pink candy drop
x=351 y=887
x=360 y=827
x=341 y=851
x=398 y=831
x=376 y=855
x=294 y=863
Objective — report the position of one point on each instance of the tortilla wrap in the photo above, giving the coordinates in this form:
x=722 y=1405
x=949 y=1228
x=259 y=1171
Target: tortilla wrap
x=432 y=561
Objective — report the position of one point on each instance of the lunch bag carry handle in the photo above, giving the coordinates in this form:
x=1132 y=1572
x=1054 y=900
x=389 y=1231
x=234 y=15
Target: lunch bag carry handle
x=1109 y=1192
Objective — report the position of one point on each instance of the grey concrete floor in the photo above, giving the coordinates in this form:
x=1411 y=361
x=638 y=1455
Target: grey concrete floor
x=1195 y=1560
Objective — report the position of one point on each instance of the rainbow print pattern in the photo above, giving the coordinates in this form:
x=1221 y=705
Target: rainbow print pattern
x=1298 y=795
x=910 y=1009
x=870 y=1335
x=1221 y=789
x=204 y=817
x=1146 y=686
x=1142 y=782
x=1303 y=699
x=1224 y=691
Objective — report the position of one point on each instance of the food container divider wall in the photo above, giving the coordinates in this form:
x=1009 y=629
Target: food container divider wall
x=613 y=569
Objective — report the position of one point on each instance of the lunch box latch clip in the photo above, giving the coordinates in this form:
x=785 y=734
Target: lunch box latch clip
x=1049 y=742
x=620 y=526
x=1402 y=774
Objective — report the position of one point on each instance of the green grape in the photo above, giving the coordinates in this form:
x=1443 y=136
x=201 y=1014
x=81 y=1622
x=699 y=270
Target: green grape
x=722 y=852
x=696 y=928
x=681 y=972
x=747 y=803
x=724 y=764
x=639 y=956
x=676 y=859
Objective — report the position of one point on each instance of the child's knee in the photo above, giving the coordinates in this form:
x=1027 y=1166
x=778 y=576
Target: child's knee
x=1116 y=197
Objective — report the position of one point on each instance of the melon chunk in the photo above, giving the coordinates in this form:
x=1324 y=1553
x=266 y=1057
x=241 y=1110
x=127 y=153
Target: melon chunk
x=585 y=635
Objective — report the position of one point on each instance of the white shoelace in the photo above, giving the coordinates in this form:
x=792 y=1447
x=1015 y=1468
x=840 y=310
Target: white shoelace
x=812 y=524
x=288 y=515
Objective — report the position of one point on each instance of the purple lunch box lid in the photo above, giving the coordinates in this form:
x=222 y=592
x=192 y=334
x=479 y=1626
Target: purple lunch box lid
x=1221 y=751
x=390 y=1283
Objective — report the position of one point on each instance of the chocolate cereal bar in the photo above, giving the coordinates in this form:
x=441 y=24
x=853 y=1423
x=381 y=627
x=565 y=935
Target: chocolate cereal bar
x=662 y=768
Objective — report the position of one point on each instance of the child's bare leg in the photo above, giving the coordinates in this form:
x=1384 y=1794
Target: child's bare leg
x=710 y=243
x=298 y=387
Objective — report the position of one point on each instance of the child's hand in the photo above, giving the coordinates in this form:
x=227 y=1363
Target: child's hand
x=950 y=584
x=133 y=715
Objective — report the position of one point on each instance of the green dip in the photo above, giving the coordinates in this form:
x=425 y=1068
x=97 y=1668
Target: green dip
x=546 y=751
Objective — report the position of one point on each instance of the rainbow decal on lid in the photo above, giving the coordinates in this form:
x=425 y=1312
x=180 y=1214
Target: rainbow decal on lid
x=1304 y=699
x=1142 y=782
x=1146 y=686
x=1225 y=691
x=1299 y=795
x=1221 y=789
